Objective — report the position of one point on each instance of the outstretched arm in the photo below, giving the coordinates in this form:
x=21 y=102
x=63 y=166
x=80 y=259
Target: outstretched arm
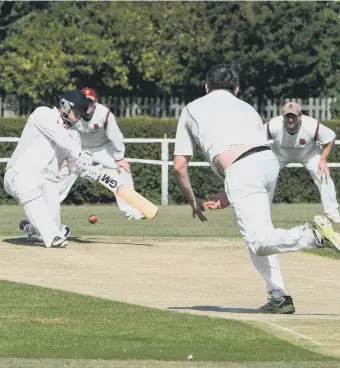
x=326 y=137
x=116 y=137
x=322 y=166
x=181 y=173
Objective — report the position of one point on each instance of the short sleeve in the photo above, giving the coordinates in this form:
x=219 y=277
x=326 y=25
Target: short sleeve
x=184 y=145
x=324 y=135
x=115 y=135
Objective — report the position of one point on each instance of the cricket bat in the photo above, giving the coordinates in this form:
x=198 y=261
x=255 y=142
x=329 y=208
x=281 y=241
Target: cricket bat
x=147 y=208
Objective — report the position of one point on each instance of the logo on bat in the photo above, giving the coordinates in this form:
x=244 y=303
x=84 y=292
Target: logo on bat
x=109 y=181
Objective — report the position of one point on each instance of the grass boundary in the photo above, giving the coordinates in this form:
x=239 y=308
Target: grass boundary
x=92 y=363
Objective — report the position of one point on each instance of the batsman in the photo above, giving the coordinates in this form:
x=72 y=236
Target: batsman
x=32 y=173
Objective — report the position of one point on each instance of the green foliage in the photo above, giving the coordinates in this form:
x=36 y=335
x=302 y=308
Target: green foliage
x=281 y=48
x=294 y=185
x=119 y=45
x=146 y=48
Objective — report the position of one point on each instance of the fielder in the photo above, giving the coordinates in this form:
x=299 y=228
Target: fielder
x=32 y=172
x=231 y=134
x=299 y=138
x=101 y=135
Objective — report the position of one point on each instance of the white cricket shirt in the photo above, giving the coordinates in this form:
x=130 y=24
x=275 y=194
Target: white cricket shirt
x=42 y=139
x=294 y=147
x=216 y=122
x=102 y=131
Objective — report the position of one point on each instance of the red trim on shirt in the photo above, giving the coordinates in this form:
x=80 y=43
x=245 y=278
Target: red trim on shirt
x=107 y=116
x=268 y=131
x=316 y=131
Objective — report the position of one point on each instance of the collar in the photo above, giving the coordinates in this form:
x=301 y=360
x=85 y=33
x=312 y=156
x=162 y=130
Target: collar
x=222 y=90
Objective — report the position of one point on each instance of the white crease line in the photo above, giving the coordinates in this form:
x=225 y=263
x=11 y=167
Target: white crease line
x=278 y=326
x=288 y=330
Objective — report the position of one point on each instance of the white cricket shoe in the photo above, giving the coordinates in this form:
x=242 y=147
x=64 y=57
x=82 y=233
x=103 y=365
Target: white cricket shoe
x=324 y=235
x=59 y=242
x=34 y=236
x=65 y=230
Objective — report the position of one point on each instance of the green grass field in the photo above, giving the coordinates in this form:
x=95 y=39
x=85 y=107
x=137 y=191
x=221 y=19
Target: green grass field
x=38 y=322
x=172 y=221
x=44 y=323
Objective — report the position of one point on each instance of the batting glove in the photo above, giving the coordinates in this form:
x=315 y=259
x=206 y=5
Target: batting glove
x=92 y=173
x=84 y=161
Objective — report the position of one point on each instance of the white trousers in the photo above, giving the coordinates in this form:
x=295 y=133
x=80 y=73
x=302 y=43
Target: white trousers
x=39 y=199
x=326 y=186
x=250 y=186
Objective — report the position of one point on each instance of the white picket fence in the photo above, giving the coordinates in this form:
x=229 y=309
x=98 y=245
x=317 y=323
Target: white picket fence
x=164 y=162
x=318 y=108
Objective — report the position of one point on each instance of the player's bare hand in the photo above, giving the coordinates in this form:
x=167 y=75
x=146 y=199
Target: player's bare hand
x=123 y=164
x=217 y=201
x=323 y=169
x=198 y=209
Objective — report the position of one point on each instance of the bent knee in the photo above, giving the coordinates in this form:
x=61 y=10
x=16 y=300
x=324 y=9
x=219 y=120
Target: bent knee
x=26 y=190
x=258 y=249
x=257 y=244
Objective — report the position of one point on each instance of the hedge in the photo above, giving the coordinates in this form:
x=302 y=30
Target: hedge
x=294 y=185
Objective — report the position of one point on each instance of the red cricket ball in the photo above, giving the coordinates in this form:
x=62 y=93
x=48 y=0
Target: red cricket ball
x=93 y=219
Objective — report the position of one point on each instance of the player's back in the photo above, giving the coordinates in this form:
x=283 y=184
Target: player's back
x=34 y=150
x=220 y=120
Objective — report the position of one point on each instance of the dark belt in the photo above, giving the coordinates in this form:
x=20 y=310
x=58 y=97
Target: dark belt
x=251 y=151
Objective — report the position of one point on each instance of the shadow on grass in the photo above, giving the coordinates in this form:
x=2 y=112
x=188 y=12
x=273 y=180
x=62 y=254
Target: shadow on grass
x=214 y=308
x=24 y=242
x=317 y=314
x=95 y=241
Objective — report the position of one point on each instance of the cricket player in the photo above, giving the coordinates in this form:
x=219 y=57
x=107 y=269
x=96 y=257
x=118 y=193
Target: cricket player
x=232 y=136
x=299 y=138
x=101 y=135
x=32 y=172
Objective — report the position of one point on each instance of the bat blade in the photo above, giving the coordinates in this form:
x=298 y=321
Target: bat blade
x=136 y=200
x=143 y=205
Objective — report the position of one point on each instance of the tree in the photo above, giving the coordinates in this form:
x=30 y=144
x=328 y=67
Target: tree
x=11 y=11
x=281 y=48
x=45 y=51
x=128 y=46
x=285 y=49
